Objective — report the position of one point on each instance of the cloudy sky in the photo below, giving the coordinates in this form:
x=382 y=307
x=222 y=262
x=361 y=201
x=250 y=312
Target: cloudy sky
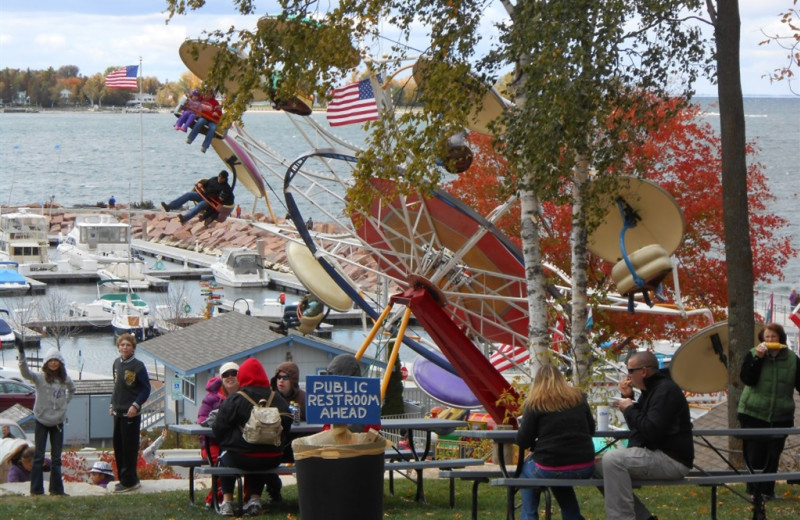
x=94 y=35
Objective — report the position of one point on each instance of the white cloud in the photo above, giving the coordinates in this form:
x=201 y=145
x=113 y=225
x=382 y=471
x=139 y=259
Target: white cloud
x=93 y=42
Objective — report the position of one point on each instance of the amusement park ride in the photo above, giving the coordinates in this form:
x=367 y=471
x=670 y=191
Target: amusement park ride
x=432 y=256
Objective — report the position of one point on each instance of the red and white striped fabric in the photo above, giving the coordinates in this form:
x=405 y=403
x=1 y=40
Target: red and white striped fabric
x=795 y=316
x=507 y=356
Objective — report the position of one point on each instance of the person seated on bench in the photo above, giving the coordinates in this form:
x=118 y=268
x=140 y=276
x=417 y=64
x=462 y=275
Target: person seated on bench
x=660 y=446
x=771 y=374
x=213 y=187
x=233 y=414
x=557 y=426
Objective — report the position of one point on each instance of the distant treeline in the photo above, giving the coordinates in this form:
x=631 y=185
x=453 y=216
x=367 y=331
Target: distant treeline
x=66 y=87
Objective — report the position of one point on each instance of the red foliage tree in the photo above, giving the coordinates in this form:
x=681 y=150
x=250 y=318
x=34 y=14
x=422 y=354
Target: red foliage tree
x=682 y=155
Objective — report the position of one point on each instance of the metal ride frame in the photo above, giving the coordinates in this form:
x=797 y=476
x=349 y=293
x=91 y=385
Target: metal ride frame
x=460 y=276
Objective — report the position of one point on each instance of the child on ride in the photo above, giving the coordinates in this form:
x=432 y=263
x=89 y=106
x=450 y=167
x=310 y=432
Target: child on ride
x=188 y=115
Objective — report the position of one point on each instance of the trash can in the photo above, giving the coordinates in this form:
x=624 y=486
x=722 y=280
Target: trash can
x=340 y=475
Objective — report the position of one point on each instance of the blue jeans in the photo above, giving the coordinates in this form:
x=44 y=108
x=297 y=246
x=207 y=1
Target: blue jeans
x=198 y=125
x=186 y=197
x=565 y=496
x=56 y=434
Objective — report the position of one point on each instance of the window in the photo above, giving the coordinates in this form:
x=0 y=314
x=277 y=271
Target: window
x=188 y=385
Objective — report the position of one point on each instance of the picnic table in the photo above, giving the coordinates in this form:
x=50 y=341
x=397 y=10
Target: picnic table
x=700 y=476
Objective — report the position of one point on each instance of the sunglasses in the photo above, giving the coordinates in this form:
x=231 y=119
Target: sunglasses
x=283 y=378
x=230 y=373
x=632 y=370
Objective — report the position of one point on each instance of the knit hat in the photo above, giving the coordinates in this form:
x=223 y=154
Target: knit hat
x=51 y=354
x=344 y=365
x=230 y=365
x=290 y=369
x=103 y=467
x=252 y=373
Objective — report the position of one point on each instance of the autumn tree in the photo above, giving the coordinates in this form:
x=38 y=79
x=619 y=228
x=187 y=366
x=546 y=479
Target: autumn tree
x=93 y=89
x=681 y=154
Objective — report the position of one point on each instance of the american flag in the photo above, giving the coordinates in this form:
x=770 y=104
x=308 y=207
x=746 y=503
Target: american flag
x=123 y=77
x=354 y=103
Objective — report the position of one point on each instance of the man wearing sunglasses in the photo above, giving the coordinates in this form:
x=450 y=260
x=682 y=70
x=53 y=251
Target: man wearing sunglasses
x=660 y=446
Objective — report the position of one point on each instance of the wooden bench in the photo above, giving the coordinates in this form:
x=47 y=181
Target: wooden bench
x=191 y=463
x=476 y=476
x=712 y=479
x=224 y=471
x=419 y=466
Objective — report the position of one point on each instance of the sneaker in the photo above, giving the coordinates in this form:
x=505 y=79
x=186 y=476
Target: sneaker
x=275 y=496
x=183 y=130
x=58 y=494
x=252 y=507
x=203 y=149
x=119 y=488
x=182 y=219
x=188 y=140
x=164 y=205
x=226 y=509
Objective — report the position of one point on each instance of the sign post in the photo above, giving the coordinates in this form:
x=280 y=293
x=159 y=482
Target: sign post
x=177 y=395
x=343 y=400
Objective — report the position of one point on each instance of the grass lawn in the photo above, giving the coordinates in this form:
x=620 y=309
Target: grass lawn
x=669 y=503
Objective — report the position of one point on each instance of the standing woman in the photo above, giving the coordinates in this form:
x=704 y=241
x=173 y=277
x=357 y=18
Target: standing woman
x=54 y=390
x=557 y=427
x=771 y=374
x=131 y=391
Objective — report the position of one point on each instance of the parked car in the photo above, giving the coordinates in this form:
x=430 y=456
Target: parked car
x=10 y=373
x=13 y=392
x=14 y=429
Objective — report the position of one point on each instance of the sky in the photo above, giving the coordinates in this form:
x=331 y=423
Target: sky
x=96 y=34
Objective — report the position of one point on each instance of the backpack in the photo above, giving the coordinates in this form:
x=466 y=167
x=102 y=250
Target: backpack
x=264 y=425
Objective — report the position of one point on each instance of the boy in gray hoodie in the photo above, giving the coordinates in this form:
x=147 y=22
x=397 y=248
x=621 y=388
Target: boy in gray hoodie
x=54 y=390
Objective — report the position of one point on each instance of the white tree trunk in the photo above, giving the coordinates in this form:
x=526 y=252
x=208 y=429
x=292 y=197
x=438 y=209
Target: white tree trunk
x=537 y=308
x=581 y=349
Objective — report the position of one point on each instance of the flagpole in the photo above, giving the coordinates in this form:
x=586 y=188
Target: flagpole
x=141 y=136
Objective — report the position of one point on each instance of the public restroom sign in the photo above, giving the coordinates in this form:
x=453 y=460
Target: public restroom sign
x=343 y=400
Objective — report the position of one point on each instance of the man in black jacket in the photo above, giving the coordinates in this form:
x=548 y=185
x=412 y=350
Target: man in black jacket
x=214 y=188
x=660 y=446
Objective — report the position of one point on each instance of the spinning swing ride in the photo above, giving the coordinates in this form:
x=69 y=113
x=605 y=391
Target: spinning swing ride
x=431 y=256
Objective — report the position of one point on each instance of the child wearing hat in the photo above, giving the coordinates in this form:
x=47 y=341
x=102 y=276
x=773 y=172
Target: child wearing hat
x=101 y=473
x=54 y=390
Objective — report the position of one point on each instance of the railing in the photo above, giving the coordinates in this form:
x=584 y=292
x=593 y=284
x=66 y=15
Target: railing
x=153 y=410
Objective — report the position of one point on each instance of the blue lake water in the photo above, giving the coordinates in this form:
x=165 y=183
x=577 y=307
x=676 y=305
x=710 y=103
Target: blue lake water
x=83 y=158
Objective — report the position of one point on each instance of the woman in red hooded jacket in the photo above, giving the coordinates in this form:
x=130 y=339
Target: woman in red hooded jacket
x=237 y=452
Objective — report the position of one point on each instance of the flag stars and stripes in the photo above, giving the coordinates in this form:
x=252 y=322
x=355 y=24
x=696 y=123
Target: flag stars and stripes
x=353 y=103
x=123 y=78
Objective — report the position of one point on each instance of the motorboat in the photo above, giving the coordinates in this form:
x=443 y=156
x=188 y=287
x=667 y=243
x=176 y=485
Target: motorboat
x=7 y=336
x=23 y=239
x=129 y=318
x=96 y=240
x=100 y=311
x=270 y=308
x=11 y=282
x=125 y=275
x=240 y=267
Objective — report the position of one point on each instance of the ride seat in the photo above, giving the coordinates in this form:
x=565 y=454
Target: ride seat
x=651 y=263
